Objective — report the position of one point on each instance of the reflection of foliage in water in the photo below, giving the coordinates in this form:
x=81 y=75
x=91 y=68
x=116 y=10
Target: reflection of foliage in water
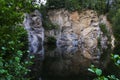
x=50 y=47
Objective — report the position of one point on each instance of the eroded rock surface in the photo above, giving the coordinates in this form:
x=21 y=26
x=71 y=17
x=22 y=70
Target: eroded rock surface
x=81 y=29
x=33 y=25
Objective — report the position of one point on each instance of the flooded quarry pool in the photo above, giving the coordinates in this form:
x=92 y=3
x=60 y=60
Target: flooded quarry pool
x=68 y=63
x=81 y=40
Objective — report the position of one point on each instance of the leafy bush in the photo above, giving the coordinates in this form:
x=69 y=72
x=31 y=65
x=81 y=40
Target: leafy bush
x=55 y=4
x=72 y=5
x=113 y=8
x=11 y=65
x=101 y=6
x=111 y=14
x=99 y=74
x=116 y=59
x=117 y=47
x=116 y=29
x=116 y=25
x=11 y=11
x=13 y=39
x=51 y=40
x=98 y=5
x=48 y=25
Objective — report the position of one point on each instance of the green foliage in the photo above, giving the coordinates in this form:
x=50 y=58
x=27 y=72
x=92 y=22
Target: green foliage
x=116 y=59
x=116 y=25
x=55 y=4
x=117 y=47
x=115 y=18
x=113 y=10
x=12 y=10
x=48 y=25
x=9 y=36
x=98 y=5
x=103 y=28
x=101 y=6
x=72 y=5
x=111 y=14
x=95 y=70
x=112 y=77
x=13 y=39
x=51 y=40
x=99 y=74
x=11 y=66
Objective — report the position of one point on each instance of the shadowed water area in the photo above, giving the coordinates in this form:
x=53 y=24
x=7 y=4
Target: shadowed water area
x=68 y=63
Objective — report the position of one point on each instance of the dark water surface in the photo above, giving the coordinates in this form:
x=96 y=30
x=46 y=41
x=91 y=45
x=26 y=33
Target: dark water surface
x=68 y=63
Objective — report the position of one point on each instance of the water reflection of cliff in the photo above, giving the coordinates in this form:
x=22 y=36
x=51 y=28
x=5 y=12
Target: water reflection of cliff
x=66 y=61
x=72 y=60
x=78 y=44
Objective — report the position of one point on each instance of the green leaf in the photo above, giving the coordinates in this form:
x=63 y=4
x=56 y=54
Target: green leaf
x=31 y=57
x=91 y=70
x=116 y=56
x=11 y=42
x=4 y=48
x=26 y=62
x=92 y=66
x=2 y=71
x=9 y=77
x=105 y=78
x=19 y=52
x=17 y=59
x=112 y=77
x=118 y=62
x=98 y=72
x=1 y=63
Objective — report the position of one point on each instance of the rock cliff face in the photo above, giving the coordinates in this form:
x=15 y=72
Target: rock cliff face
x=81 y=37
x=81 y=29
x=33 y=24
